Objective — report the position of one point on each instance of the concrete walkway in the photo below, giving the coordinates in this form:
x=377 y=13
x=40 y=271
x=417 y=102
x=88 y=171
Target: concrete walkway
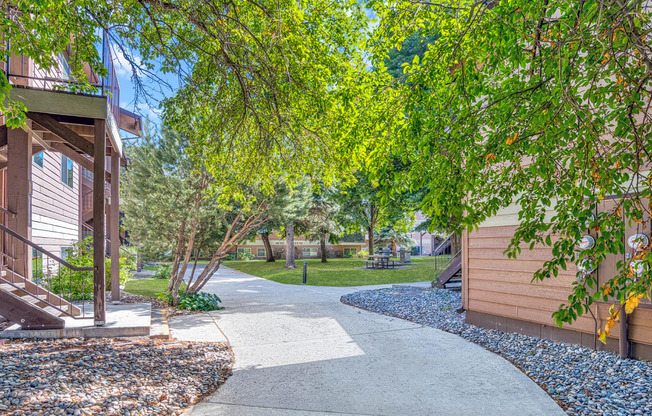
x=299 y=351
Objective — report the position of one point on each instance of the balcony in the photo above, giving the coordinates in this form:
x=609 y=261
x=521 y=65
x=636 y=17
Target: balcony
x=75 y=102
x=21 y=71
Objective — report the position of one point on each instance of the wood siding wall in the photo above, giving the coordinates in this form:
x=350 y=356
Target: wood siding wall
x=500 y=286
x=55 y=205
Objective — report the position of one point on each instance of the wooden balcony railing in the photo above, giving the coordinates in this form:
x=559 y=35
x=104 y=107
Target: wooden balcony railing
x=22 y=71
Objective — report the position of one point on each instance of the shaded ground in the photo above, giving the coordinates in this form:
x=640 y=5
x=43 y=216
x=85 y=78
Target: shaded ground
x=337 y=272
x=299 y=351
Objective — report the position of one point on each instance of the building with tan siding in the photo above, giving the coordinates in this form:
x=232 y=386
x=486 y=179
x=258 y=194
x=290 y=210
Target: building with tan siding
x=497 y=292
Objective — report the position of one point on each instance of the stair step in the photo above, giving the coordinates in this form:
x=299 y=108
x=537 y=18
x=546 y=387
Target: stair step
x=56 y=312
x=10 y=287
x=453 y=285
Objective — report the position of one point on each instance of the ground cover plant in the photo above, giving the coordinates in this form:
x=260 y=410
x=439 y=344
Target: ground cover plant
x=339 y=272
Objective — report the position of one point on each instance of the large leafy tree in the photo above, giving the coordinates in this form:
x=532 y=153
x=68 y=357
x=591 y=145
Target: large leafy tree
x=373 y=204
x=545 y=105
x=321 y=219
x=261 y=82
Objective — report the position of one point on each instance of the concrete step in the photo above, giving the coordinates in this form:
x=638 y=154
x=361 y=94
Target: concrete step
x=453 y=286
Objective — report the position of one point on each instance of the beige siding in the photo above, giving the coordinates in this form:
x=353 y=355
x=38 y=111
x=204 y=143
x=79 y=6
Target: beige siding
x=55 y=206
x=500 y=286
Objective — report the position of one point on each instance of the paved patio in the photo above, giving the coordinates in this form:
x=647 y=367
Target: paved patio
x=299 y=351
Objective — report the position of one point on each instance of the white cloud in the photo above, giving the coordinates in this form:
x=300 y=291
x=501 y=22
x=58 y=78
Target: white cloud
x=122 y=66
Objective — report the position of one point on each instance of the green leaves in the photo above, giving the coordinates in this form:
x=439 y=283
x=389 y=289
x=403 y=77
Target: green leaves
x=570 y=80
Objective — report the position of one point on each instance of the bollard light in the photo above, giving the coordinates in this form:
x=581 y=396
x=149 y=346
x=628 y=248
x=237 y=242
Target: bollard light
x=305 y=272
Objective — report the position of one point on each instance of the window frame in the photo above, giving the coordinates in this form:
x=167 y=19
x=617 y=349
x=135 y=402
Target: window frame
x=310 y=251
x=67 y=171
x=259 y=250
x=42 y=158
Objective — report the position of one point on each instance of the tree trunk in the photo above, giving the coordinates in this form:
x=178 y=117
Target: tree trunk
x=373 y=217
x=268 y=247
x=289 y=246
x=194 y=267
x=370 y=233
x=186 y=260
x=322 y=244
x=177 y=254
x=456 y=243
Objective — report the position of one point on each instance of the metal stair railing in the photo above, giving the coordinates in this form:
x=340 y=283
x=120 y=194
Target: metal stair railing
x=444 y=255
x=51 y=275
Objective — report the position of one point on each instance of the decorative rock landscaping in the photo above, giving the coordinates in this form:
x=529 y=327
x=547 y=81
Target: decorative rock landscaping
x=127 y=376
x=582 y=381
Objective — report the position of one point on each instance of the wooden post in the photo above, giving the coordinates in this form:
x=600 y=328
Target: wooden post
x=19 y=175
x=99 y=283
x=115 y=226
x=623 y=337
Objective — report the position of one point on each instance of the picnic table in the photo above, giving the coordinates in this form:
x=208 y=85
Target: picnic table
x=380 y=262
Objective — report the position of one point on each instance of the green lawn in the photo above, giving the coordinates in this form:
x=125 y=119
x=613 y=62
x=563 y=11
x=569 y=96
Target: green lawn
x=338 y=272
x=148 y=287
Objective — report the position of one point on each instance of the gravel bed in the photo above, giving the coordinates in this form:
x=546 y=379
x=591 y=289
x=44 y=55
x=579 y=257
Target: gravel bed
x=125 y=376
x=582 y=381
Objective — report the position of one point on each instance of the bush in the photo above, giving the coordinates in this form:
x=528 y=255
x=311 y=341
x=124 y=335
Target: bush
x=247 y=256
x=195 y=301
x=163 y=271
x=362 y=254
x=230 y=256
x=74 y=285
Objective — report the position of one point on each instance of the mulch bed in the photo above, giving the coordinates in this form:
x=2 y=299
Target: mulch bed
x=124 y=376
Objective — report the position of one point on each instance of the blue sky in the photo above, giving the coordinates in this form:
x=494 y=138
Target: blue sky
x=148 y=110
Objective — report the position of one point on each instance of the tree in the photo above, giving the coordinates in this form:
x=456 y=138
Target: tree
x=369 y=205
x=392 y=238
x=321 y=219
x=540 y=104
x=398 y=57
x=174 y=205
x=298 y=200
x=257 y=78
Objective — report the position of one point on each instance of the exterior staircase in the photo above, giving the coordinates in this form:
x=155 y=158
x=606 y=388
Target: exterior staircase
x=448 y=266
x=22 y=300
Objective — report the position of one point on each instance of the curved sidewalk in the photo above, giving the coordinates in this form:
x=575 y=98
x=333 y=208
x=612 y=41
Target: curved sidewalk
x=299 y=351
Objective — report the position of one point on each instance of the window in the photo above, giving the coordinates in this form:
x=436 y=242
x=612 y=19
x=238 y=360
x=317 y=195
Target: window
x=350 y=252
x=309 y=252
x=65 y=252
x=261 y=252
x=243 y=250
x=67 y=171
x=65 y=66
x=38 y=159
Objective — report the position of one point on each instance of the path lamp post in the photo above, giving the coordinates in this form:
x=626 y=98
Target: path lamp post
x=305 y=272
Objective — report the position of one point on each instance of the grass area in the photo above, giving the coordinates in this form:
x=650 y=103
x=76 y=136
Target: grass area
x=148 y=287
x=338 y=272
